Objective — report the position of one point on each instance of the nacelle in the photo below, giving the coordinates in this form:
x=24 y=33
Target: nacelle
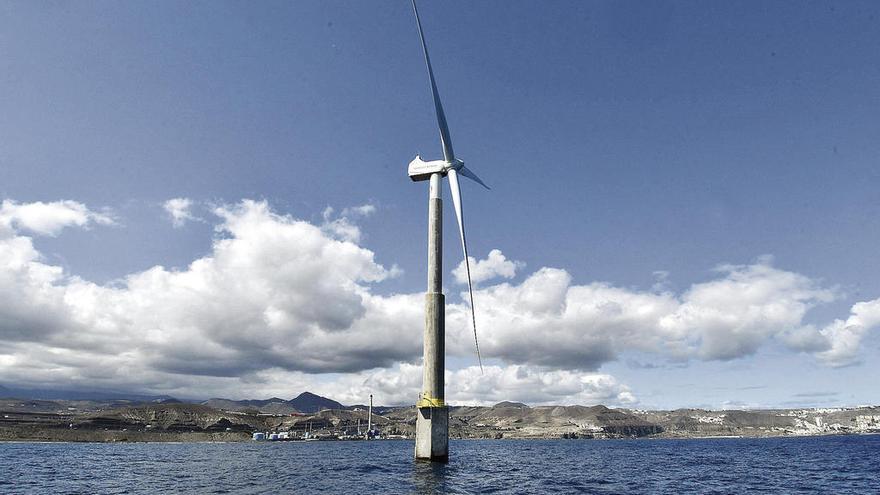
x=422 y=170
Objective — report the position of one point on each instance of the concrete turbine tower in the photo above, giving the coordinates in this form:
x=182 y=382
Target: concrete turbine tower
x=432 y=423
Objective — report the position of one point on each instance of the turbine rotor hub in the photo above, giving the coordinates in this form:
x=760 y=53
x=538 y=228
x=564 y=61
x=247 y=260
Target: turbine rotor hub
x=456 y=165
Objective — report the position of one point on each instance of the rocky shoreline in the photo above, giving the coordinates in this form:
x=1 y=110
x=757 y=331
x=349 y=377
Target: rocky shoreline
x=122 y=421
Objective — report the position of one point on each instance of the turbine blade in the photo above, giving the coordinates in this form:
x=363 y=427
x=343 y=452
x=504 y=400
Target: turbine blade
x=456 y=202
x=472 y=176
x=445 y=139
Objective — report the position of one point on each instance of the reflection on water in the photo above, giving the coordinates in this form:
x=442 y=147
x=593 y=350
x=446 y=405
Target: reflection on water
x=431 y=477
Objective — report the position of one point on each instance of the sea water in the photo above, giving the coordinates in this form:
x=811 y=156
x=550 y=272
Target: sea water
x=838 y=464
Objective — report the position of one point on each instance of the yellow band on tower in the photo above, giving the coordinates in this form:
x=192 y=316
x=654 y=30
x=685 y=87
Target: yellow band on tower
x=430 y=402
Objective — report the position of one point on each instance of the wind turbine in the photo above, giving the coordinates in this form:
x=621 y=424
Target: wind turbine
x=432 y=422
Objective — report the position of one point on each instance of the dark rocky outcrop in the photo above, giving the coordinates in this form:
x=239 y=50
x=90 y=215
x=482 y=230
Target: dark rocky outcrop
x=308 y=402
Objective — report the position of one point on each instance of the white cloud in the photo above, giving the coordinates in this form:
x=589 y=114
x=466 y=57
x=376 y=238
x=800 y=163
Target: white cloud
x=495 y=265
x=735 y=315
x=844 y=336
x=547 y=321
x=468 y=386
x=48 y=218
x=535 y=386
x=359 y=211
x=274 y=292
x=180 y=210
x=32 y=303
x=343 y=226
x=283 y=304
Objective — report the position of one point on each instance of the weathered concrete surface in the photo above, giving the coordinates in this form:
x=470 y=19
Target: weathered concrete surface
x=434 y=339
x=435 y=245
x=434 y=348
x=432 y=423
x=432 y=434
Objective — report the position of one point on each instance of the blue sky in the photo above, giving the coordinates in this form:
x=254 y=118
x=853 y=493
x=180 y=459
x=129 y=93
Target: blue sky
x=626 y=143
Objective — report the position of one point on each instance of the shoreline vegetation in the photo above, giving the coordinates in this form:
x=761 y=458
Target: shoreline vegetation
x=221 y=420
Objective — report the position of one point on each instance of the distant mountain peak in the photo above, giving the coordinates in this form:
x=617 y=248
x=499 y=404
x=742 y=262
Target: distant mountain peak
x=508 y=403
x=307 y=395
x=308 y=402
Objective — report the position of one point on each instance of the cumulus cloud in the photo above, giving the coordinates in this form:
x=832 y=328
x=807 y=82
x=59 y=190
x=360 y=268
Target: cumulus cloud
x=536 y=386
x=470 y=386
x=32 y=305
x=495 y=265
x=280 y=304
x=342 y=226
x=180 y=211
x=548 y=321
x=274 y=292
x=844 y=336
x=48 y=219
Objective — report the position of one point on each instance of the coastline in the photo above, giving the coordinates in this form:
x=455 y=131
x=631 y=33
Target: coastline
x=101 y=422
x=110 y=437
